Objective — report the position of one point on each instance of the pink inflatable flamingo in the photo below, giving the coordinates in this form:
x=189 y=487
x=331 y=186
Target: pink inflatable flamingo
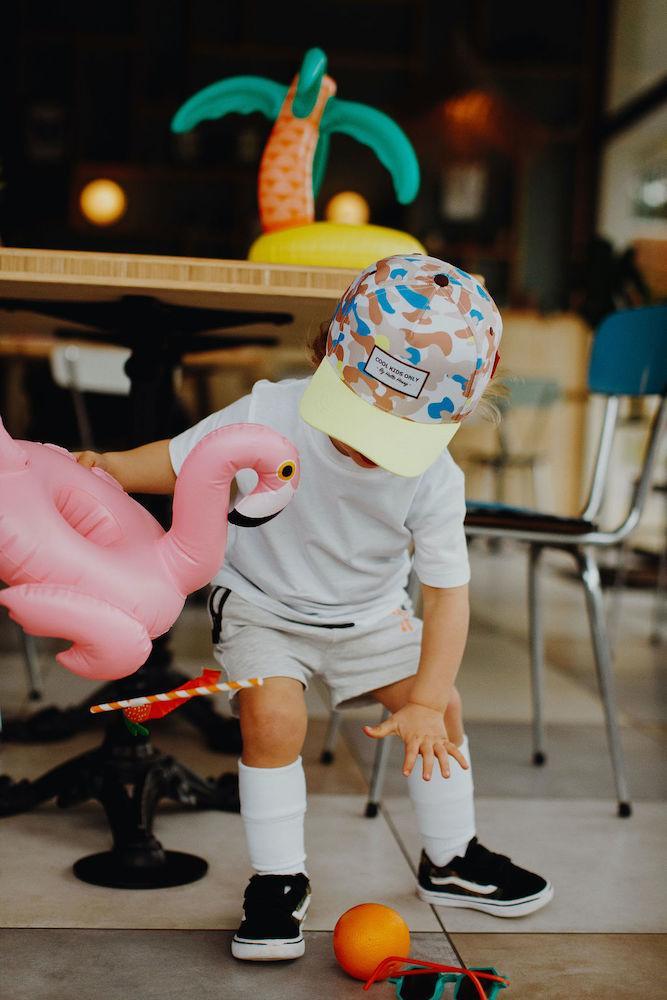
x=87 y=563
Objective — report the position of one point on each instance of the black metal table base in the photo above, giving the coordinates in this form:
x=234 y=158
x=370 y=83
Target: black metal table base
x=129 y=777
x=112 y=871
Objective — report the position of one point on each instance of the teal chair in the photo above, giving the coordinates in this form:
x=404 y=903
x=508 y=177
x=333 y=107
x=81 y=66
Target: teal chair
x=628 y=359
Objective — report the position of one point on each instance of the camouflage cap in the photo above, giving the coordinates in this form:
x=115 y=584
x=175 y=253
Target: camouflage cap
x=411 y=347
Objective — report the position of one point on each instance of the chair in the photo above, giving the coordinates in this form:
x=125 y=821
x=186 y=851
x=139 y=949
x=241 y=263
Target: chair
x=628 y=358
x=536 y=395
x=95 y=368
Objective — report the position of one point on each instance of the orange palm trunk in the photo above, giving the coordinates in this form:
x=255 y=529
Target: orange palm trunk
x=285 y=185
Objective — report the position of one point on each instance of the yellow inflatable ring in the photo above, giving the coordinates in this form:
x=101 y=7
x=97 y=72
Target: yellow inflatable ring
x=332 y=244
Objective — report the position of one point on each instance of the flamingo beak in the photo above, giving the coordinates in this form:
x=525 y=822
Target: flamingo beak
x=258 y=508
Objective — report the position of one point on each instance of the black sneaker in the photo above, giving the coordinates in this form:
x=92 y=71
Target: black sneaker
x=482 y=880
x=274 y=907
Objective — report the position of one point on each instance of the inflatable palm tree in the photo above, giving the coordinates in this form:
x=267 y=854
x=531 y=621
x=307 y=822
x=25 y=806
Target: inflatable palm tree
x=293 y=164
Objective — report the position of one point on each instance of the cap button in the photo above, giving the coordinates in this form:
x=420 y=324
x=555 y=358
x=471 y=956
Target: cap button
x=441 y=279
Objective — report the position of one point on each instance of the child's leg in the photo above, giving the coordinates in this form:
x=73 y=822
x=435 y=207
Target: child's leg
x=272 y=783
x=444 y=808
x=251 y=642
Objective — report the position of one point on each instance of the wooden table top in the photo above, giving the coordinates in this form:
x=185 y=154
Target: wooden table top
x=306 y=292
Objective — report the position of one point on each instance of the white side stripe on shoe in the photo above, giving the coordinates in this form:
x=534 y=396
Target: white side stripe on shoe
x=484 y=890
x=300 y=913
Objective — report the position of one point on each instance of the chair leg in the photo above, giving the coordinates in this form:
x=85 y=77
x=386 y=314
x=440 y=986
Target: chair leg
x=328 y=750
x=590 y=576
x=536 y=654
x=379 y=768
x=377 y=780
x=540 y=476
x=82 y=420
x=32 y=665
x=660 y=606
x=531 y=469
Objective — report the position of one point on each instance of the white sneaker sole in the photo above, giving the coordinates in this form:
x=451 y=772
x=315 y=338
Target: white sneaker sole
x=267 y=951
x=496 y=907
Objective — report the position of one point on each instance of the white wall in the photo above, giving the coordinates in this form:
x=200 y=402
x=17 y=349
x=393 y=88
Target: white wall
x=637 y=60
x=622 y=159
x=638 y=47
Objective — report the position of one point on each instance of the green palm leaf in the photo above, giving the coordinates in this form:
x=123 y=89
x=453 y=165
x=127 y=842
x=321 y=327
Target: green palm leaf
x=313 y=68
x=381 y=134
x=247 y=94
x=240 y=94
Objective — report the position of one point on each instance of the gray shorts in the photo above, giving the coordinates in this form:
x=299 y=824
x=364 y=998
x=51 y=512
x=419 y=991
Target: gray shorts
x=352 y=661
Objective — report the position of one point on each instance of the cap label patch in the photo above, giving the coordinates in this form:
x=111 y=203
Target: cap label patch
x=395 y=374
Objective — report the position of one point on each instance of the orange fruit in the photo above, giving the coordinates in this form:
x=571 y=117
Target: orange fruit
x=367 y=934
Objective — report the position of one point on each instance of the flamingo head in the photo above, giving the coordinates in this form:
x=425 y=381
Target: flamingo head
x=276 y=485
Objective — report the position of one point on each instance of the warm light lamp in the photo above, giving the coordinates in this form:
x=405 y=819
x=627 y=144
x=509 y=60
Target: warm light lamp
x=103 y=201
x=348 y=208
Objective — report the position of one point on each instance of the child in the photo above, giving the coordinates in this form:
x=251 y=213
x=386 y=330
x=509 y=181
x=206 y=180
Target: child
x=321 y=589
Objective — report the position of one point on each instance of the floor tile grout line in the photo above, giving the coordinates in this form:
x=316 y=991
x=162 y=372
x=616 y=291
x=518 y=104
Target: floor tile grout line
x=439 y=931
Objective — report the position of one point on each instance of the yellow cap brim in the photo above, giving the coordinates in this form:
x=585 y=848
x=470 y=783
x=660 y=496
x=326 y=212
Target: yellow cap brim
x=404 y=447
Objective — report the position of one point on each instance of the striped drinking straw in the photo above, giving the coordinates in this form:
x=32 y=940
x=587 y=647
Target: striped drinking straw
x=148 y=699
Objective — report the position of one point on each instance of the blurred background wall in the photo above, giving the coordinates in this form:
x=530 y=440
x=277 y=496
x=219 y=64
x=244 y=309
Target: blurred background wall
x=541 y=131
x=504 y=103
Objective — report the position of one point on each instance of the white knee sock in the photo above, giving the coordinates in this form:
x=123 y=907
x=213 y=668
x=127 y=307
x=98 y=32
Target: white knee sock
x=445 y=809
x=273 y=806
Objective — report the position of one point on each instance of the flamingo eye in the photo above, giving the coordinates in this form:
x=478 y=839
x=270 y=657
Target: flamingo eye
x=286 y=471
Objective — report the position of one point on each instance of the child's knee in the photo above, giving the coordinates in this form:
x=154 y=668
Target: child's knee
x=273 y=722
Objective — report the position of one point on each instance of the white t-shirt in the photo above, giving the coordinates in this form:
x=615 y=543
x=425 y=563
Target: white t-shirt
x=339 y=551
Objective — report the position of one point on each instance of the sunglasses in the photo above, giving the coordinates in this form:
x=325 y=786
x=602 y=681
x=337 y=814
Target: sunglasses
x=427 y=980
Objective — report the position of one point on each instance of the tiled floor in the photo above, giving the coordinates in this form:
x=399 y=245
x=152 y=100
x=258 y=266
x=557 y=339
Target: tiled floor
x=601 y=936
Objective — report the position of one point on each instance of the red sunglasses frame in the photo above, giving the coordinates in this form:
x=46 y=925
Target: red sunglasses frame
x=386 y=967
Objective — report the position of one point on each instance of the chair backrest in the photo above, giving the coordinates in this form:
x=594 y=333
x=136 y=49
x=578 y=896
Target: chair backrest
x=85 y=368
x=629 y=354
x=628 y=358
x=537 y=393
x=527 y=431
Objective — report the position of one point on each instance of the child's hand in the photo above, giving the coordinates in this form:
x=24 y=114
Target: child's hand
x=423 y=732
x=92 y=460
x=146 y=469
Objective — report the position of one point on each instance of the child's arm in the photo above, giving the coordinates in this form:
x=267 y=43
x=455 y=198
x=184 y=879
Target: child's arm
x=420 y=723
x=147 y=469
x=446 y=617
